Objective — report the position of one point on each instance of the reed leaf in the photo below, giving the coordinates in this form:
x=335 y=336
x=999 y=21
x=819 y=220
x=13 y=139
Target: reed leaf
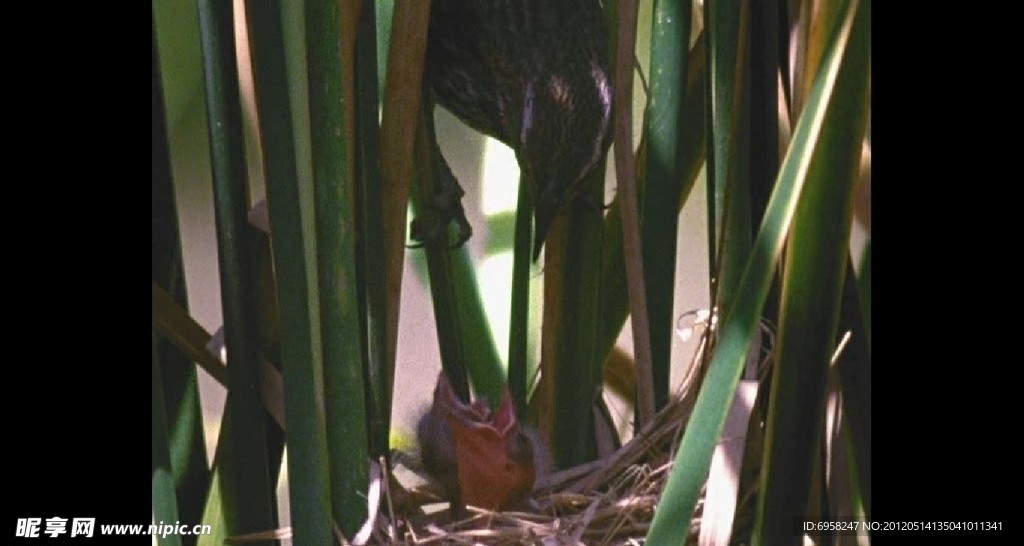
x=854 y=368
x=740 y=323
x=814 y=273
x=165 y=504
x=864 y=288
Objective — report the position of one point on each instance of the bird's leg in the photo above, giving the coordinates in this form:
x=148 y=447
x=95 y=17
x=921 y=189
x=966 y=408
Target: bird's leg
x=448 y=200
x=445 y=199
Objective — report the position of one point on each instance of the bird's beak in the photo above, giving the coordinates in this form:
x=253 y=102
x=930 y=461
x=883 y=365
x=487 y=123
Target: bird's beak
x=543 y=217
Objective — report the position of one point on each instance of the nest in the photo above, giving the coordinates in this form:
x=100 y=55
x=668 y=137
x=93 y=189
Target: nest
x=607 y=501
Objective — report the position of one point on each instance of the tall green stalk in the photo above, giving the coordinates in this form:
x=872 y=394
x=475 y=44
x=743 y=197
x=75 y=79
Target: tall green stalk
x=763 y=143
x=179 y=383
x=571 y=321
x=368 y=214
x=664 y=129
x=518 y=335
x=729 y=219
x=691 y=157
x=296 y=288
x=248 y=491
x=468 y=351
x=430 y=170
x=336 y=229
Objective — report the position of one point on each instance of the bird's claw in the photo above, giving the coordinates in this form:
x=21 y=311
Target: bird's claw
x=432 y=228
x=445 y=207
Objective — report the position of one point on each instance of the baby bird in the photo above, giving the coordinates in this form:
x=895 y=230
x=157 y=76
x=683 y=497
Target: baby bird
x=478 y=457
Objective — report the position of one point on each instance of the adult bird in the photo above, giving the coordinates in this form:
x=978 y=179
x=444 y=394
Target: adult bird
x=534 y=75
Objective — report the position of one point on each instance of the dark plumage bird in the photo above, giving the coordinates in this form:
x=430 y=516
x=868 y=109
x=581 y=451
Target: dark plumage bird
x=534 y=75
